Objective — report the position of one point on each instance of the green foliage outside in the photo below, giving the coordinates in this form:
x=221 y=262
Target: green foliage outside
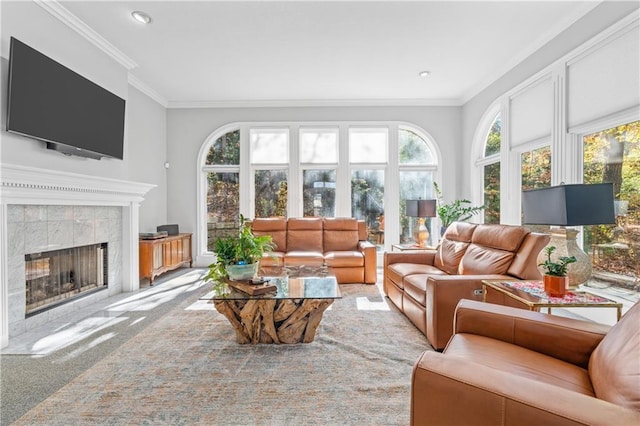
x=613 y=155
x=492 y=174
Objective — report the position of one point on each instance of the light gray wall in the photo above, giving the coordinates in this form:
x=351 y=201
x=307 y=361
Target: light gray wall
x=189 y=128
x=147 y=153
x=145 y=125
x=597 y=20
x=32 y=25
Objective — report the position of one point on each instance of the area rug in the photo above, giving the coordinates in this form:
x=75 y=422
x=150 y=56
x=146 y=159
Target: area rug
x=186 y=368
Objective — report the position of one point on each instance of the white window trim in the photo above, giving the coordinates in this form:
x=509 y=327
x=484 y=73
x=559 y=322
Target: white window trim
x=343 y=172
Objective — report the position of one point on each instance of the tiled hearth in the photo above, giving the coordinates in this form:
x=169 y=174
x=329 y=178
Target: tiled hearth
x=44 y=210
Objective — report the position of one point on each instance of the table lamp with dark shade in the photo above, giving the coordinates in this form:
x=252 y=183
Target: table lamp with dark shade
x=421 y=209
x=569 y=205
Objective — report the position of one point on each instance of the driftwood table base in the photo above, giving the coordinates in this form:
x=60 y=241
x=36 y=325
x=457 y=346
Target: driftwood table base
x=273 y=320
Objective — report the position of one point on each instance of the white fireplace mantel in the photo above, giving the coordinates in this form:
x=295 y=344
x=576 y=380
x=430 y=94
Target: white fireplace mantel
x=30 y=185
x=35 y=186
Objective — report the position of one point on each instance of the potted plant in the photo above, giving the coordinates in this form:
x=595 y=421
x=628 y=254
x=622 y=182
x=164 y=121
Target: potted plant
x=457 y=210
x=238 y=257
x=555 y=276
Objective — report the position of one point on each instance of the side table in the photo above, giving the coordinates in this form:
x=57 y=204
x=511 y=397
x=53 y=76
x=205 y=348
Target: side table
x=530 y=295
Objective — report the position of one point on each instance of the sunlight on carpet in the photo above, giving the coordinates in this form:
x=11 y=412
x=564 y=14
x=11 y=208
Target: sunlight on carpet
x=187 y=369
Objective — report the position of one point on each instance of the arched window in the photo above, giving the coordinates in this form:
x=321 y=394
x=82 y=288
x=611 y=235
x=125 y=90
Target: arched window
x=222 y=171
x=328 y=169
x=489 y=163
x=417 y=167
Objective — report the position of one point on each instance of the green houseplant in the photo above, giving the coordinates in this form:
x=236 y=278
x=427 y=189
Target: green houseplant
x=555 y=276
x=238 y=257
x=457 y=210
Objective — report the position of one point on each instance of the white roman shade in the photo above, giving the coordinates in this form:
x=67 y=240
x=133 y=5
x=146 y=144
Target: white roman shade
x=604 y=80
x=532 y=112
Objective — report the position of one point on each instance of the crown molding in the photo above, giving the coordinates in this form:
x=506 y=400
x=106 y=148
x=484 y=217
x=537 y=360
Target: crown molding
x=147 y=90
x=72 y=21
x=301 y=103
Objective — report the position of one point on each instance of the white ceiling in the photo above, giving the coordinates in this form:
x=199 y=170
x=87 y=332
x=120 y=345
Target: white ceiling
x=239 y=52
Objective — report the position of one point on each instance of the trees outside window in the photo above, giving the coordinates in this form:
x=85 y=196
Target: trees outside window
x=319 y=192
x=321 y=169
x=535 y=172
x=222 y=168
x=613 y=155
x=491 y=172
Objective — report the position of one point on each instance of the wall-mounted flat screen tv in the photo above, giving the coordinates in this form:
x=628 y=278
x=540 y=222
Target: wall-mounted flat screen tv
x=50 y=102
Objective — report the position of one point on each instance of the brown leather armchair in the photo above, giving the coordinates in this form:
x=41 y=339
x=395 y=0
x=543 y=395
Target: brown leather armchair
x=508 y=366
x=427 y=285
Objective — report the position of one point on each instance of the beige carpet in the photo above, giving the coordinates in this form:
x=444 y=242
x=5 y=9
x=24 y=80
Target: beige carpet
x=186 y=369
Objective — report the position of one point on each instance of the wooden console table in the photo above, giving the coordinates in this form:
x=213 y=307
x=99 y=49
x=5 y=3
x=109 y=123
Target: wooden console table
x=164 y=254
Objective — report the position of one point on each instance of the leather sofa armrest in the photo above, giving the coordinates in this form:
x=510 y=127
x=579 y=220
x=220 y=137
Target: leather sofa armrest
x=447 y=390
x=443 y=294
x=370 y=261
x=567 y=339
x=424 y=257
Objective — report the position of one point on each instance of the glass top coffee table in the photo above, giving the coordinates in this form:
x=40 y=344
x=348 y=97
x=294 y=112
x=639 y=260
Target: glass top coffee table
x=289 y=313
x=530 y=295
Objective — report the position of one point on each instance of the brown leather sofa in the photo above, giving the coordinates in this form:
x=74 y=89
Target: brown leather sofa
x=339 y=243
x=509 y=366
x=427 y=285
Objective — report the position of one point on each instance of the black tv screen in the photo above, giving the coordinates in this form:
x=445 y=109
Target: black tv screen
x=50 y=102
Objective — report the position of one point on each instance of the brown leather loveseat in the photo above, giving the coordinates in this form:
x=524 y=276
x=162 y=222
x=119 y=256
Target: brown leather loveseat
x=427 y=285
x=509 y=366
x=339 y=243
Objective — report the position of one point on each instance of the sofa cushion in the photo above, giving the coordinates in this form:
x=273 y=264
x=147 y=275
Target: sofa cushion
x=519 y=361
x=304 y=234
x=397 y=271
x=485 y=261
x=454 y=243
x=502 y=237
x=344 y=259
x=449 y=254
x=614 y=365
x=416 y=287
x=273 y=258
x=276 y=227
x=340 y=234
x=303 y=257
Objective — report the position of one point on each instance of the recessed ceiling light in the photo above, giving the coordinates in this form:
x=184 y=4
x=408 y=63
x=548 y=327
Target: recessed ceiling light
x=141 y=17
x=424 y=73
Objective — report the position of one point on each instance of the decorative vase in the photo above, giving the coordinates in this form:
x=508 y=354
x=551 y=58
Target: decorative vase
x=555 y=286
x=242 y=272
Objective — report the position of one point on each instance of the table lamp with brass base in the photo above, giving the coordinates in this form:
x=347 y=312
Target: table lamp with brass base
x=421 y=209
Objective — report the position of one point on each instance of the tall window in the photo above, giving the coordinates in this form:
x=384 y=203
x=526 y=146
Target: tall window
x=269 y=154
x=535 y=169
x=368 y=150
x=319 y=159
x=323 y=169
x=613 y=155
x=417 y=166
x=222 y=168
x=491 y=172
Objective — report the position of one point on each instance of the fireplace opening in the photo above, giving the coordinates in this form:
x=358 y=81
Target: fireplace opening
x=59 y=276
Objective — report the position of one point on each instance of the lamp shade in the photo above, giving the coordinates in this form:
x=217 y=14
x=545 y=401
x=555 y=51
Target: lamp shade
x=421 y=208
x=569 y=205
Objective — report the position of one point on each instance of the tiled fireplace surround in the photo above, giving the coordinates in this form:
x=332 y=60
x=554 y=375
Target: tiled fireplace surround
x=46 y=210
